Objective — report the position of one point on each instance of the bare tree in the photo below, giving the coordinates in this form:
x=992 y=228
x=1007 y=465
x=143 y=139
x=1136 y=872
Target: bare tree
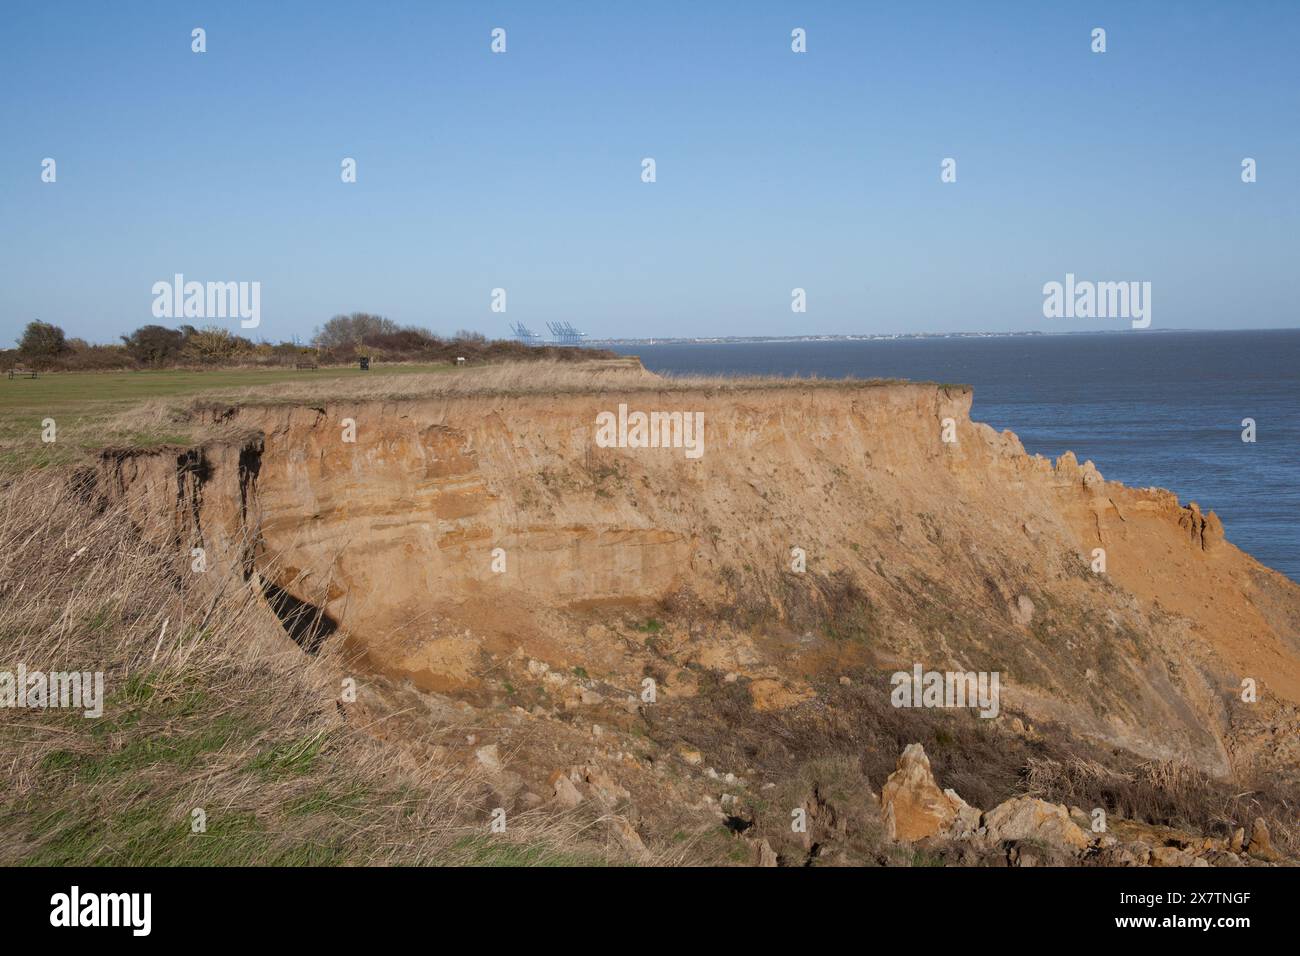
x=354 y=329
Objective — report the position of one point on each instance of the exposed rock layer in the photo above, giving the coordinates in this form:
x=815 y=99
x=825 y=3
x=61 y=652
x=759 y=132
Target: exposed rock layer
x=968 y=556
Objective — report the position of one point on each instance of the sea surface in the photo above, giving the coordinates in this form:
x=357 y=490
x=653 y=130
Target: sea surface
x=1162 y=409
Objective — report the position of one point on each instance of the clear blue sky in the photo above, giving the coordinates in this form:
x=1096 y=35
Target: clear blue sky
x=775 y=170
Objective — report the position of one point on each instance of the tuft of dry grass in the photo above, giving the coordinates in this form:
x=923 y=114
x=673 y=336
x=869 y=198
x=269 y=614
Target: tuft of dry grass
x=206 y=707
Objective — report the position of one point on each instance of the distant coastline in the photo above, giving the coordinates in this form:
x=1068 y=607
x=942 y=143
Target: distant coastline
x=881 y=336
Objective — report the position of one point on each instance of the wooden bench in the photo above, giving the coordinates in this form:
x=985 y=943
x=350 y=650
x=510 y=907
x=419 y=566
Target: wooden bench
x=304 y=365
x=22 y=373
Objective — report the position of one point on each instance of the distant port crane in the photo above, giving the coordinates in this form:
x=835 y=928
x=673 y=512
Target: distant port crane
x=525 y=335
x=565 y=334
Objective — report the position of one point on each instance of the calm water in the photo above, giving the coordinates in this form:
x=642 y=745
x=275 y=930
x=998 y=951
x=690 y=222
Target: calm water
x=1160 y=409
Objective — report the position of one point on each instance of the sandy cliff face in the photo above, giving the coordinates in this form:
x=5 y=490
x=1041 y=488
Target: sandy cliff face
x=455 y=532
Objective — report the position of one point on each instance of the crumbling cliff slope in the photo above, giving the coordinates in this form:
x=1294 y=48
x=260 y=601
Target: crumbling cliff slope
x=439 y=537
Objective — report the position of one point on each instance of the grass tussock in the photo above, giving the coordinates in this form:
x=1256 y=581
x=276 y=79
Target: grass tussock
x=204 y=710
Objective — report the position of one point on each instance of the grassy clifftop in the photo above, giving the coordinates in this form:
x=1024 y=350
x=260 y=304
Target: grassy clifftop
x=93 y=410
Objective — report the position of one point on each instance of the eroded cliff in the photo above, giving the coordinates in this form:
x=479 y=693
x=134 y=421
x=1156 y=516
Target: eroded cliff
x=452 y=534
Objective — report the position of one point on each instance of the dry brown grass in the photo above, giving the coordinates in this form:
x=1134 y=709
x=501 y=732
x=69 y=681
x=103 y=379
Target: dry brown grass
x=1168 y=793
x=200 y=712
x=507 y=379
x=174 y=408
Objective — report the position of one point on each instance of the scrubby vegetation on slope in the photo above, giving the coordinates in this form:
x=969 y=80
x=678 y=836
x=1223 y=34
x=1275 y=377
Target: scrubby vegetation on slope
x=203 y=710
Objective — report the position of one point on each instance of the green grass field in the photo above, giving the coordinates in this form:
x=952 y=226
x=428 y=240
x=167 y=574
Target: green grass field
x=85 y=405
